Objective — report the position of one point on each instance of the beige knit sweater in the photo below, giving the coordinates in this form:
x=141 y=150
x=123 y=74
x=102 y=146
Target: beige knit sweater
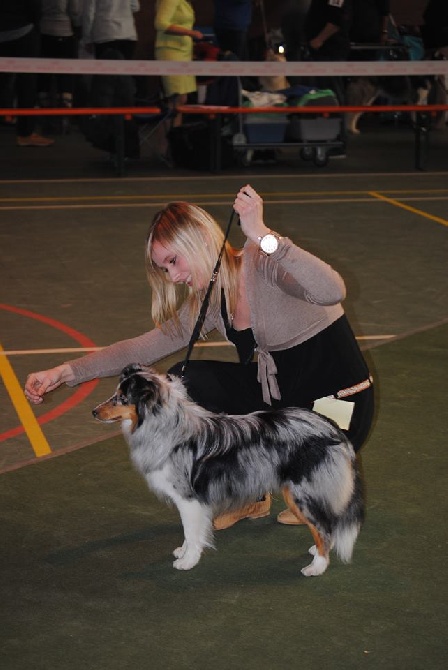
x=292 y=294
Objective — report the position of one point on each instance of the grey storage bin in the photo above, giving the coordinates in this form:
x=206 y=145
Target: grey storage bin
x=317 y=129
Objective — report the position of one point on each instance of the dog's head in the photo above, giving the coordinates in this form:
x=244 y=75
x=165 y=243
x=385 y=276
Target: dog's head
x=140 y=390
x=272 y=56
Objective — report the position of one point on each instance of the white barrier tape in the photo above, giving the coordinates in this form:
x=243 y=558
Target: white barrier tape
x=224 y=68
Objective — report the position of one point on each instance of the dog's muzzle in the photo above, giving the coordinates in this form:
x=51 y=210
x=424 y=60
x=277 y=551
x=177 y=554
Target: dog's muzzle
x=111 y=411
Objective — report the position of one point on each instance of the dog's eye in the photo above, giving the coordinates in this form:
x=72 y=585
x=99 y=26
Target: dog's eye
x=121 y=400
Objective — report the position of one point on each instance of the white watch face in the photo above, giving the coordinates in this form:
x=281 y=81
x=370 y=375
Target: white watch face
x=269 y=243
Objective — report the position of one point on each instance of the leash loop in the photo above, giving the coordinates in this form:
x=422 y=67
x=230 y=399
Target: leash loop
x=205 y=303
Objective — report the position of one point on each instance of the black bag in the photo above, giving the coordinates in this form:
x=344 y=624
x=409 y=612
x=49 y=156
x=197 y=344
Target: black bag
x=102 y=132
x=191 y=147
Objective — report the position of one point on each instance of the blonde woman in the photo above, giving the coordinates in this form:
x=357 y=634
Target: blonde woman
x=277 y=303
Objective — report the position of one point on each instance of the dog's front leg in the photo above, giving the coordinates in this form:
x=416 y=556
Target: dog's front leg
x=197 y=525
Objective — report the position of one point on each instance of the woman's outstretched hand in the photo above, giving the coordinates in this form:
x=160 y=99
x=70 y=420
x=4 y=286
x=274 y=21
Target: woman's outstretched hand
x=249 y=206
x=39 y=383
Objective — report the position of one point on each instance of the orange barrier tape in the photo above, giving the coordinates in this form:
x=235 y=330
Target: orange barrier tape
x=212 y=109
x=79 y=111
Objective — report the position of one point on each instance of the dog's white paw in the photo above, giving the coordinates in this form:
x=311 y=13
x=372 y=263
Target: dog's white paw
x=179 y=551
x=317 y=567
x=186 y=562
x=312 y=550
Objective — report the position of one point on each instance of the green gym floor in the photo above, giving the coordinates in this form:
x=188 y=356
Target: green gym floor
x=87 y=578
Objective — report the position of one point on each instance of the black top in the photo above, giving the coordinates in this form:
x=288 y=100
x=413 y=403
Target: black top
x=337 y=12
x=16 y=14
x=321 y=12
x=367 y=20
x=323 y=365
x=243 y=340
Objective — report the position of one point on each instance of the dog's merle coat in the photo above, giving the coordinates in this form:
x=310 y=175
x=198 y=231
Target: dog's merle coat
x=210 y=463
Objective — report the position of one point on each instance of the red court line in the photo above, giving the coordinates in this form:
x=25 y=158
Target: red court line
x=79 y=395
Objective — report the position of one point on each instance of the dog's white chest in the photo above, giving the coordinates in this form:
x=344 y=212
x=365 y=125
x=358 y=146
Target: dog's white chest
x=159 y=482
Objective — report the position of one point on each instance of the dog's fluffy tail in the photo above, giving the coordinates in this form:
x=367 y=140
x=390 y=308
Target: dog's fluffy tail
x=344 y=541
x=349 y=524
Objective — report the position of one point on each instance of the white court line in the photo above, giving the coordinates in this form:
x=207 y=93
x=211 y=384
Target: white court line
x=228 y=177
x=74 y=350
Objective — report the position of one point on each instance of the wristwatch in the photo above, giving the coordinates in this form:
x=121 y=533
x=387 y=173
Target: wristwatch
x=269 y=243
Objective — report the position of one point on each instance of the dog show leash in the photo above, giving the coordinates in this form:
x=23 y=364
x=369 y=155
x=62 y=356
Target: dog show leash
x=203 y=311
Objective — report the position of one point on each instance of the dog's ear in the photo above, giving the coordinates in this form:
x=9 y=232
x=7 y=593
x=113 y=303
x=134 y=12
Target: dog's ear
x=143 y=392
x=148 y=402
x=142 y=406
x=130 y=370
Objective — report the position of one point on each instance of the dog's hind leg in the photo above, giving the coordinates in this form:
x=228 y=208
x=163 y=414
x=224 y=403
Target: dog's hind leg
x=320 y=551
x=197 y=525
x=321 y=548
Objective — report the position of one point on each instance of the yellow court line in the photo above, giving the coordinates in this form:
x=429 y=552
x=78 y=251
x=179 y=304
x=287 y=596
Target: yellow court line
x=437 y=219
x=28 y=420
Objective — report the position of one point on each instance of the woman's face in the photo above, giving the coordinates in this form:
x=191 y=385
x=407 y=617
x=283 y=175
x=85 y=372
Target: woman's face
x=172 y=263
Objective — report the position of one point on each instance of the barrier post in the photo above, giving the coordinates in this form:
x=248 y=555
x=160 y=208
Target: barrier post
x=421 y=144
x=119 y=143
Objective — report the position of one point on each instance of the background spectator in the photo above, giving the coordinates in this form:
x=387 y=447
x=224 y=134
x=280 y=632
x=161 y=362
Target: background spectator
x=19 y=37
x=59 y=26
x=326 y=29
x=435 y=28
x=110 y=24
x=174 y=21
x=434 y=32
x=231 y=22
x=292 y=25
x=369 y=21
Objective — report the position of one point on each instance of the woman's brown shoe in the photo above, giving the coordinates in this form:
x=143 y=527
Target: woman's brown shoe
x=253 y=511
x=289 y=518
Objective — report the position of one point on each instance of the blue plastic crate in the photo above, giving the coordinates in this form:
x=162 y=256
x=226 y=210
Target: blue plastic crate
x=265 y=128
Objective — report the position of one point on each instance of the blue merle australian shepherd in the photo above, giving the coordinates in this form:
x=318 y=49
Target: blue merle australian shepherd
x=208 y=464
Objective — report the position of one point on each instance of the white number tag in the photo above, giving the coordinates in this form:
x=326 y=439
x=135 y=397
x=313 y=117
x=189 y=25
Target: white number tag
x=339 y=410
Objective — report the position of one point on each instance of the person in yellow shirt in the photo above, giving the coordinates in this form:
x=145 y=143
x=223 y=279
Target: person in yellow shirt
x=174 y=21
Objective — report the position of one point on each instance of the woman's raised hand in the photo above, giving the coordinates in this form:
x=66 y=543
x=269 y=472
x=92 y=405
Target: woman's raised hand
x=249 y=206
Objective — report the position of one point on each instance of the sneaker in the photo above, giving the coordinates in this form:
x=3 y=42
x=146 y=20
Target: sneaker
x=34 y=140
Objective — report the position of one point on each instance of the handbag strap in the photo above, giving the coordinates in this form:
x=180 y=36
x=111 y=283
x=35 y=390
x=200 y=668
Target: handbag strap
x=205 y=303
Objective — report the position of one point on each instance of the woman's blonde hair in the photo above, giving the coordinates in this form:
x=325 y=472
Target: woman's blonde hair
x=191 y=232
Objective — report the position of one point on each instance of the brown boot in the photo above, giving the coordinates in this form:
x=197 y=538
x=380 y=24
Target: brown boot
x=253 y=511
x=289 y=518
